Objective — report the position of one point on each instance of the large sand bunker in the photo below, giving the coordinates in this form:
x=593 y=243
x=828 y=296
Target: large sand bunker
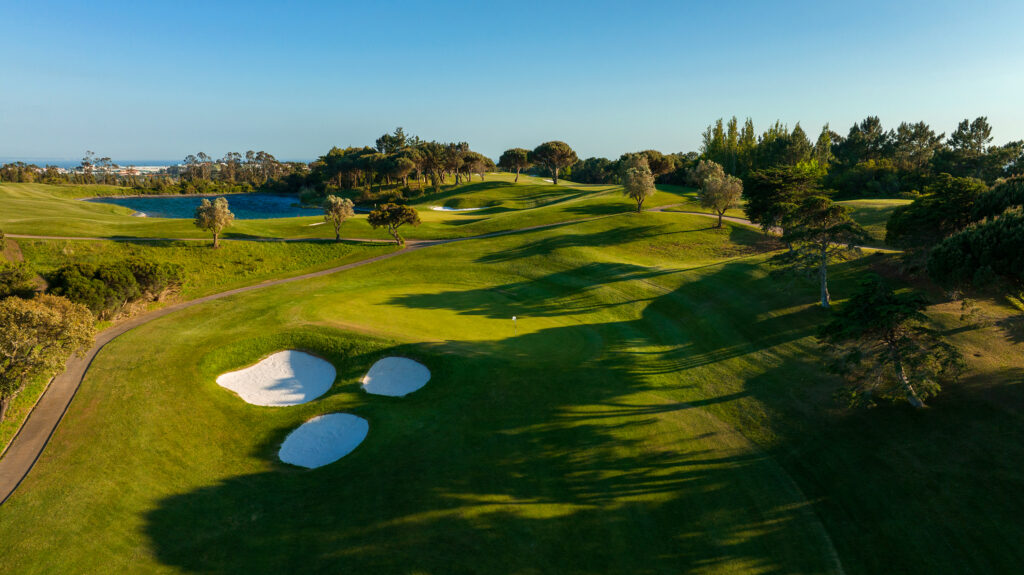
x=284 y=378
x=323 y=439
x=446 y=209
x=395 y=376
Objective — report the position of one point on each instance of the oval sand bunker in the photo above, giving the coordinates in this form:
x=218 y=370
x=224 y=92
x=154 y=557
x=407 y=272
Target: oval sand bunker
x=323 y=439
x=284 y=378
x=395 y=376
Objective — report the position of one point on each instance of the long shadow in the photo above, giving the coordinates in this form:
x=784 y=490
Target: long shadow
x=549 y=244
x=498 y=466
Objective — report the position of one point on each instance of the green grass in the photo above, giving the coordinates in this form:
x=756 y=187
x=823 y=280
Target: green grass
x=661 y=408
x=873 y=215
x=40 y=209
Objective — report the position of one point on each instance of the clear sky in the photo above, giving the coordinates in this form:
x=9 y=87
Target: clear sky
x=159 y=80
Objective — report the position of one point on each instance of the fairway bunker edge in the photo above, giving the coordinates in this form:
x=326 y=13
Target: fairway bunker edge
x=281 y=379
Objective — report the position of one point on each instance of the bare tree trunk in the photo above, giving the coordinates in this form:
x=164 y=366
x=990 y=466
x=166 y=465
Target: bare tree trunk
x=912 y=396
x=823 y=272
x=555 y=181
x=720 y=219
x=216 y=239
x=5 y=402
x=517 y=176
x=337 y=232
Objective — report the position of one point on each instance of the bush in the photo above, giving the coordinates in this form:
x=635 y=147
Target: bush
x=106 y=288
x=155 y=278
x=16 y=279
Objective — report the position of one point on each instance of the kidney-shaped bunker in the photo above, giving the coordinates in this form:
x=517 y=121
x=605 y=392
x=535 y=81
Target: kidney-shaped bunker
x=323 y=439
x=395 y=376
x=284 y=378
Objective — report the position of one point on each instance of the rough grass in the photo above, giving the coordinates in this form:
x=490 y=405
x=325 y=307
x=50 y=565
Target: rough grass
x=205 y=270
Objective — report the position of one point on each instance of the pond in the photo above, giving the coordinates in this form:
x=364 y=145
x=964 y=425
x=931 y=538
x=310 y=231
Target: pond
x=244 y=206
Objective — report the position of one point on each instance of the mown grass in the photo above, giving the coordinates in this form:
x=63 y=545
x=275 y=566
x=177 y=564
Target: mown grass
x=39 y=209
x=873 y=215
x=661 y=408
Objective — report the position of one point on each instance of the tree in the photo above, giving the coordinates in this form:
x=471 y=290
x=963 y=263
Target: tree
x=16 y=279
x=773 y=194
x=336 y=211
x=214 y=217
x=991 y=249
x=393 y=216
x=821 y=232
x=881 y=344
x=704 y=170
x=946 y=209
x=515 y=159
x=637 y=179
x=38 y=336
x=554 y=156
x=721 y=194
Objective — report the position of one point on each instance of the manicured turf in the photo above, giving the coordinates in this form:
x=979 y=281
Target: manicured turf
x=40 y=209
x=873 y=215
x=660 y=408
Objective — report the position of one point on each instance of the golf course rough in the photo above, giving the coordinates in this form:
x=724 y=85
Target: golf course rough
x=323 y=440
x=287 y=377
x=395 y=377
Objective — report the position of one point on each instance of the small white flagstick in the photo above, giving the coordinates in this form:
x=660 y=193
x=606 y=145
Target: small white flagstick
x=515 y=328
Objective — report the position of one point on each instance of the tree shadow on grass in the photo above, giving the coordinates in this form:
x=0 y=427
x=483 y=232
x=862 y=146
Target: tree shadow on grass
x=549 y=244
x=502 y=465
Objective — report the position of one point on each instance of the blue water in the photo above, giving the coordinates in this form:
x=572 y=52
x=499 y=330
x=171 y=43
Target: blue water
x=244 y=206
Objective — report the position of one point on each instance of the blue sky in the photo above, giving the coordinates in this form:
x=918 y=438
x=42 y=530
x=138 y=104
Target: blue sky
x=159 y=80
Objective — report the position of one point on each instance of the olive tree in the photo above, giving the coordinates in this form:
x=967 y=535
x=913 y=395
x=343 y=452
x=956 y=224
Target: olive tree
x=637 y=179
x=555 y=156
x=393 y=216
x=515 y=160
x=214 y=217
x=336 y=211
x=721 y=194
x=37 y=336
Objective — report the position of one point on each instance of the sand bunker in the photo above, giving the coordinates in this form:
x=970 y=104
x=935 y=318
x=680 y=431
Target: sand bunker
x=444 y=209
x=395 y=376
x=324 y=439
x=285 y=378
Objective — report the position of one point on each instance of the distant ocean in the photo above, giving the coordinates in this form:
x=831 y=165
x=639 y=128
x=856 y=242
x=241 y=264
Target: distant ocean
x=66 y=163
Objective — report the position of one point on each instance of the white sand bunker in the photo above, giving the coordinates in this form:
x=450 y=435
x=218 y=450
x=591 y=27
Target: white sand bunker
x=444 y=209
x=285 y=378
x=324 y=439
x=395 y=376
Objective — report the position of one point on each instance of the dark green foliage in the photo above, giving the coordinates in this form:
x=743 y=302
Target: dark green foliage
x=820 y=232
x=106 y=288
x=555 y=156
x=16 y=279
x=1009 y=194
x=880 y=343
x=515 y=160
x=945 y=210
x=980 y=255
x=393 y=216
x=154 y=278
x=773 y=194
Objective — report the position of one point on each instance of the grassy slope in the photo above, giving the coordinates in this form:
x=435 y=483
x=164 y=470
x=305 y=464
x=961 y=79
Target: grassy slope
x=47 y=210
x=565 y=448
x=205 y=271
x=873 y=214
x=600 y=438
